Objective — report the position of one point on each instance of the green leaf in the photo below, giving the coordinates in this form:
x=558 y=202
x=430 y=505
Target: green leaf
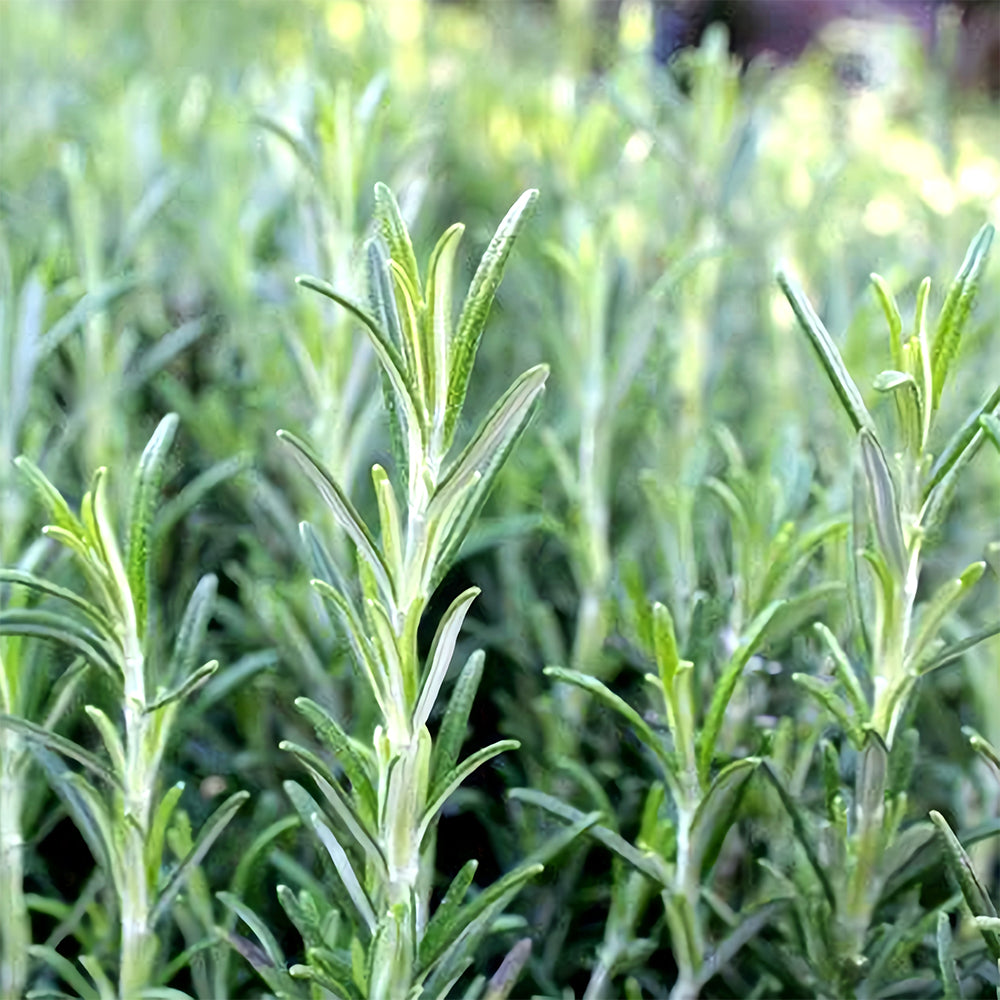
x=62 y=746
x=145 y=496
x=888 y=302
x=644 y=861
x=826 y=351
x=726 y=685
x=449 y=933
x=453 y=899
x=389 y=358
x=752 y=921
x=193 y=627
x=358 y=826
x=960 y=866
x=503 y=981
x=354 y=759
x=906 y=394
x=716 y=811
x=66 y=631
x=439 y=658
x=158 y=831
x=834 y=704
x=52 y=500
x=956 y=309
x=343 y=512
x=42 y=586
x=636 y=721
x=959 y=649
x=476 y=307
x=66 y=971
x=112 y=741
x=185 y=688
x=439 y=304
x=345 y=870
x=393 y=231
x=801 y=833
x=444 y=788
x=957 y=450
x=272 y=949
x=481 y=460
x=451 y=733
x=665 y=644
x=946 y=959
x=207 y=835
x=882 y=503
x=844 y=672
x=364 y=655
x=948 y=596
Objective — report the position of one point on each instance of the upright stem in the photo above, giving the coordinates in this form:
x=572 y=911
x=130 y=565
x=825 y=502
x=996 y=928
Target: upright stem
x=15 y=928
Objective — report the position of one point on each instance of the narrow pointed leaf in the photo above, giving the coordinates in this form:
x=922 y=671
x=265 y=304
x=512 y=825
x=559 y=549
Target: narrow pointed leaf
x=959 y=443
x=477 y=306
x=52 y=499
x=489 y=447
x=439 y=304
x=888 y=302
x=145 y=497
x=956 y=309
x=62 y=746
x=442 y=650
x=948 y=596
x=346 y=872
x=350 y=756
x=42 y=586
x=716 y=811
x=207 y=835
x=444 y=788
x=451 y=733
x=882 y=502
x=343 y=511
x=726 y=685
x=393 y=231
x=193 y=627
x=636 y=721
x=828 y=354
x=185 y=688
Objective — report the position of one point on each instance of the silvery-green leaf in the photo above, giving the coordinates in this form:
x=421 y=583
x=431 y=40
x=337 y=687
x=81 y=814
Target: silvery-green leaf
x=882 y=503
x=483 y=458
x=345 y=870
x=451 y=732
x=990 y=423
x=193 y=627
x=343 y=511
x=934 y=612
x=826 y=351
x=355 y=759
x=439 y=658
x=440 y=275
x=210 y=831
x=956 y=309
x=888 y=302
x=394 y=233
x=446 y=785
x=62 y=746
x=960 y=866
x=66 y=971
x=715 y=813
x=477 y=305
x=145 y=497
x=726 y=685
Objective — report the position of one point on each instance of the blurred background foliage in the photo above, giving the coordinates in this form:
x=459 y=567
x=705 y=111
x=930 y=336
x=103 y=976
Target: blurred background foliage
x=167 y=168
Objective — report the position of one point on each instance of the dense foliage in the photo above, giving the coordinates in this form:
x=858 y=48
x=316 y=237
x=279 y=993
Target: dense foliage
x=667 y=667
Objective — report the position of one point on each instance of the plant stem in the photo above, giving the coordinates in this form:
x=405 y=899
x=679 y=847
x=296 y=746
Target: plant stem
x=15 y=926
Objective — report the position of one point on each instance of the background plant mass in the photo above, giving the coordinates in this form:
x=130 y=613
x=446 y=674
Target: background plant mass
x=666 y=667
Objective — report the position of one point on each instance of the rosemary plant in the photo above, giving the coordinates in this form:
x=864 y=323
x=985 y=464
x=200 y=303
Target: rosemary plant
x=380 y=835
x=125 y=822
